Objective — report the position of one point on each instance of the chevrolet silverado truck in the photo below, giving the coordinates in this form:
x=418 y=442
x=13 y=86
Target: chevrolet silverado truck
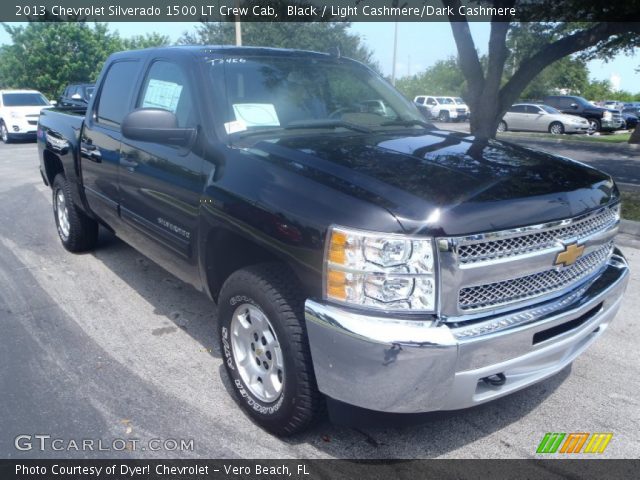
x=600 y=119
x=368 y=259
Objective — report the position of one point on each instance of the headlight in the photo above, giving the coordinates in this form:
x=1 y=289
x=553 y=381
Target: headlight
x=15 y=115
x=380 y=271
x=607 y=116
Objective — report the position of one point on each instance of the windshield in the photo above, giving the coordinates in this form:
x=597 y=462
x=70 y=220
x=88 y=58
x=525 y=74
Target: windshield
x=23 y=99
x=445 y=101
x=272 y=93
x=548 y=109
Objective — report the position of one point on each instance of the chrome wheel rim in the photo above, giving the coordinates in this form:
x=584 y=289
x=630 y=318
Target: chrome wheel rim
x=556 y=129
x=62 y=214
x=593 y=126
x=501 y=127
x=257 y=354
x=5 y=134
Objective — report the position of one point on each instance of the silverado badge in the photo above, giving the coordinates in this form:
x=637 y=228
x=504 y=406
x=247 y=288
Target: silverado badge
x=569 y=255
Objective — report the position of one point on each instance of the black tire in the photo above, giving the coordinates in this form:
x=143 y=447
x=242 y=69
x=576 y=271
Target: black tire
x=443 y=116
x=594 y=125
x=556 y=128
x=269 y=288
x=502 y=126
x=80 y=233
x=4 y=133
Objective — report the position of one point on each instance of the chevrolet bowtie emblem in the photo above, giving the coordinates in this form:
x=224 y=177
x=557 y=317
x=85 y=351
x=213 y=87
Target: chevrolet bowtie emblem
x=570 y=254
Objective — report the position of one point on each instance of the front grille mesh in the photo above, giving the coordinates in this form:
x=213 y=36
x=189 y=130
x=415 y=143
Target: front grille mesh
x=531 y=242
x=518 y=289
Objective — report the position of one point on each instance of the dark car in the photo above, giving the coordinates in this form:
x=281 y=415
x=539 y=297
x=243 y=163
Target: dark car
x=356 y=255
x=76 y=95
x=630 y=120
x=631 y=114
x=600 y=119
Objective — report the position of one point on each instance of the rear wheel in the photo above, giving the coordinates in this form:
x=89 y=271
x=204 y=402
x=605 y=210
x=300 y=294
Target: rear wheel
x=265 y=349
x=76 y=230
x=443 y=116
x=502 y=126
x=556 y=128
x=4 y=133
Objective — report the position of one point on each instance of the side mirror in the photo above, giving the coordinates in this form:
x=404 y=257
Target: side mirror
x=53 y=102
x=155 y=125
x=574 y=106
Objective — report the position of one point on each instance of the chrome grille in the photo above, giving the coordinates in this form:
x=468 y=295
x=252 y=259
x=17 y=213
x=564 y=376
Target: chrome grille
x=523 y=288
x=531 y=242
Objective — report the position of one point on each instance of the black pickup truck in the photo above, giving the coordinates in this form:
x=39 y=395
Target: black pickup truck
x=356 y=254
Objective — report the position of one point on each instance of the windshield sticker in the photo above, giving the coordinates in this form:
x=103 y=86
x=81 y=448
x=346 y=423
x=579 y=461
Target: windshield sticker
x=256 y=114
x=162 y=94
x=235 y=126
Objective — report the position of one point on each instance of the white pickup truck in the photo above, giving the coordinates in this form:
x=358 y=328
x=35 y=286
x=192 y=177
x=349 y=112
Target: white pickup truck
x=445 y=109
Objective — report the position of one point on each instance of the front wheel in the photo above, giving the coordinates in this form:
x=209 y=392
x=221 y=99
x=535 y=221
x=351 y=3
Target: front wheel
x=4 y=133
x=265 y=349
x=502 y=126
x=443 y=116
x=76 y=230
x=556 y=128
x=594 y=125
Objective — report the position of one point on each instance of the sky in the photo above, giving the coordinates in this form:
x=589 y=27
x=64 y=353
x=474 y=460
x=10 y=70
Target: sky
x=420 y=45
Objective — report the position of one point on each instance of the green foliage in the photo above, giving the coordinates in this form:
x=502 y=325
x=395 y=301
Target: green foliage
x=569 y=75
x=443 y=78
x=317 y=36
x=48 y=56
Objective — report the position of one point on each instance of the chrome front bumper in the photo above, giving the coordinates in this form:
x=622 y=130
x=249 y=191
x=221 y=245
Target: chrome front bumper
x=396 y=365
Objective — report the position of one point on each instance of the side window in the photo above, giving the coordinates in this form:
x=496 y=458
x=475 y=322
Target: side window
x=517 y=109
x=166 y=87
x=565 y=103
x=420 y=100
x=116 y=91
x=431 y=101
x=532 y=109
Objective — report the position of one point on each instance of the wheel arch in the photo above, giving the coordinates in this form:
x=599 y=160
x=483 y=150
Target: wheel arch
x=52 y=165
x=225 y=252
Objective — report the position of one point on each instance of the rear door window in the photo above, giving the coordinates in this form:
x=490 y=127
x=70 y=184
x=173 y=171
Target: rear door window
x=115 y=96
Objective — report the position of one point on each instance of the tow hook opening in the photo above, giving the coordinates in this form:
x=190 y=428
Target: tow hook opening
x=496 y=380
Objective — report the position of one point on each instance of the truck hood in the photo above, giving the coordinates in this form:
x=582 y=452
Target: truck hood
x=445 y=183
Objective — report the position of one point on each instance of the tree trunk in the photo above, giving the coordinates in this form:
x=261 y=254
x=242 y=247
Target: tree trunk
x=635 y=136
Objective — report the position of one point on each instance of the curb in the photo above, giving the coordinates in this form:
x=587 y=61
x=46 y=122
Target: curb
x=628 y=187
x=630 y=227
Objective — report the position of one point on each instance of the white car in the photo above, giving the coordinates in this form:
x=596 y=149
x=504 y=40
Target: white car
x=541 y=118
x=444 y=109
x=19 y=112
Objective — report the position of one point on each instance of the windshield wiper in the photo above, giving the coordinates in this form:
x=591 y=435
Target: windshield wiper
x=407 y=123
x=327 y=124
x=257 y=131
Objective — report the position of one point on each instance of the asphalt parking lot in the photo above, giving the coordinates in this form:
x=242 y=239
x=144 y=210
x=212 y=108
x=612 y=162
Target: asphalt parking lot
x=108 y=345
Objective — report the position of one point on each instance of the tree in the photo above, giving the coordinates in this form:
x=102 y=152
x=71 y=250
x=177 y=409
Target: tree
x=318 y=36
x=443 y=78
x=48 y=56
x=492 y=89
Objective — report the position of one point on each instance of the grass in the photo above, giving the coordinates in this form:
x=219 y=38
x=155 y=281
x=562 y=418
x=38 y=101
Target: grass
x=605 y=138
x=631 y=205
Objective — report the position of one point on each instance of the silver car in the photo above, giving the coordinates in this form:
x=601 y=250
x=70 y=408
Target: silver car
x=541 y=118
